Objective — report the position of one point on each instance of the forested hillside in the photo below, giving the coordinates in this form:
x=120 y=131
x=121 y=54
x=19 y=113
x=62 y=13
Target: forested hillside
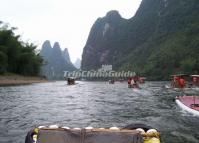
x=161 y=39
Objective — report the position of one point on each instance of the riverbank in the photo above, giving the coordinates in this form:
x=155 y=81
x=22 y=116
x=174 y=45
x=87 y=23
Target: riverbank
x=9 y=80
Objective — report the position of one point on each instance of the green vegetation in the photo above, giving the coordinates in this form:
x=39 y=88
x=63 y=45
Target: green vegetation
x=161 y=39
x=15 y=55
x=173 y=44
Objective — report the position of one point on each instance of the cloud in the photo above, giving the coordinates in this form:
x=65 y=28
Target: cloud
x=65 y=21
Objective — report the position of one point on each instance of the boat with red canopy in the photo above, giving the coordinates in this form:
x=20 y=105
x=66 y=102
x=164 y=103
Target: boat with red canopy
x=133 y=82
x=179 y=81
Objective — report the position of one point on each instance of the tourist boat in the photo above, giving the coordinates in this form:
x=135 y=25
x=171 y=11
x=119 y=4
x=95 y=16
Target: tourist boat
x=137 y=133
x=71 y=81
x=189 y=83
x=133 y=82
x=189 y=104
x=112 y=81
x=178 y=82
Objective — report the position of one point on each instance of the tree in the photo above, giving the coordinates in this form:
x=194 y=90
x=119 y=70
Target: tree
x=15 y=55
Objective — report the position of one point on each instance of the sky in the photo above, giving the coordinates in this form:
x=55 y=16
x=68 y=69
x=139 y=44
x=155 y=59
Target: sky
x=65 y=21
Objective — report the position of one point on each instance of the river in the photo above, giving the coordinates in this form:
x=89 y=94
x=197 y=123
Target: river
x=96 y=104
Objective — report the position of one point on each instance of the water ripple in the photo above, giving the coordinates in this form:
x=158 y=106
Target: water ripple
x=95 y=104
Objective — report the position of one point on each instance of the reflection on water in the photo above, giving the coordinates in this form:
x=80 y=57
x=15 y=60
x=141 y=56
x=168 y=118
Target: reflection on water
x=96 y=104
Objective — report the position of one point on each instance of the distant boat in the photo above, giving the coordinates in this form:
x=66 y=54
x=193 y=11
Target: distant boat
x=178 y=81
x=112 y=81
x=71 y=81
x=189 y=104
x=133 y=82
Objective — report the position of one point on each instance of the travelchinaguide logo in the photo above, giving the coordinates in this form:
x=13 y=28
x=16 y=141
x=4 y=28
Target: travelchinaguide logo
x=105 y=71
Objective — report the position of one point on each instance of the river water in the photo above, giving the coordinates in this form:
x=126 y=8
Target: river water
x=96 y=104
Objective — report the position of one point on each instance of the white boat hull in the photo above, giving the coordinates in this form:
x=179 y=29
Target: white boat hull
x=186 y=108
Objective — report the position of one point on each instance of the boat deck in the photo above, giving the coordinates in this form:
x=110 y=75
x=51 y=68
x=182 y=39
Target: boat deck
x=190 y=101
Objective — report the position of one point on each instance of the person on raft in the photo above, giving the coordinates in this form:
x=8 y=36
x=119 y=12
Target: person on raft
x=129 y=82
x=181 y=82
x=132 y=83
x=175 y=82
x=178 y=82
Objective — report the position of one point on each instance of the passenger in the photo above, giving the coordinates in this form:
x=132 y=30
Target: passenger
x=194 y=80
x=175 y=82
x=181 y=82
x=129 y=82
x=134 y=83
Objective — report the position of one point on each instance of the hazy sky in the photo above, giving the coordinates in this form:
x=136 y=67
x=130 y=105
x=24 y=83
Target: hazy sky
x=65 y=21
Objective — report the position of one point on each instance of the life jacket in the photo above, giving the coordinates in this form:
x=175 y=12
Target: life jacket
x=181 y=82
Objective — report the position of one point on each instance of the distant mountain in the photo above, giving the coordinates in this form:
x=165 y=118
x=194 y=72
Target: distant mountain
x=56 y=61
x=104 y=42
x=77 y=63
x=66 y=56
x=161 y=39
x=46 y=50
